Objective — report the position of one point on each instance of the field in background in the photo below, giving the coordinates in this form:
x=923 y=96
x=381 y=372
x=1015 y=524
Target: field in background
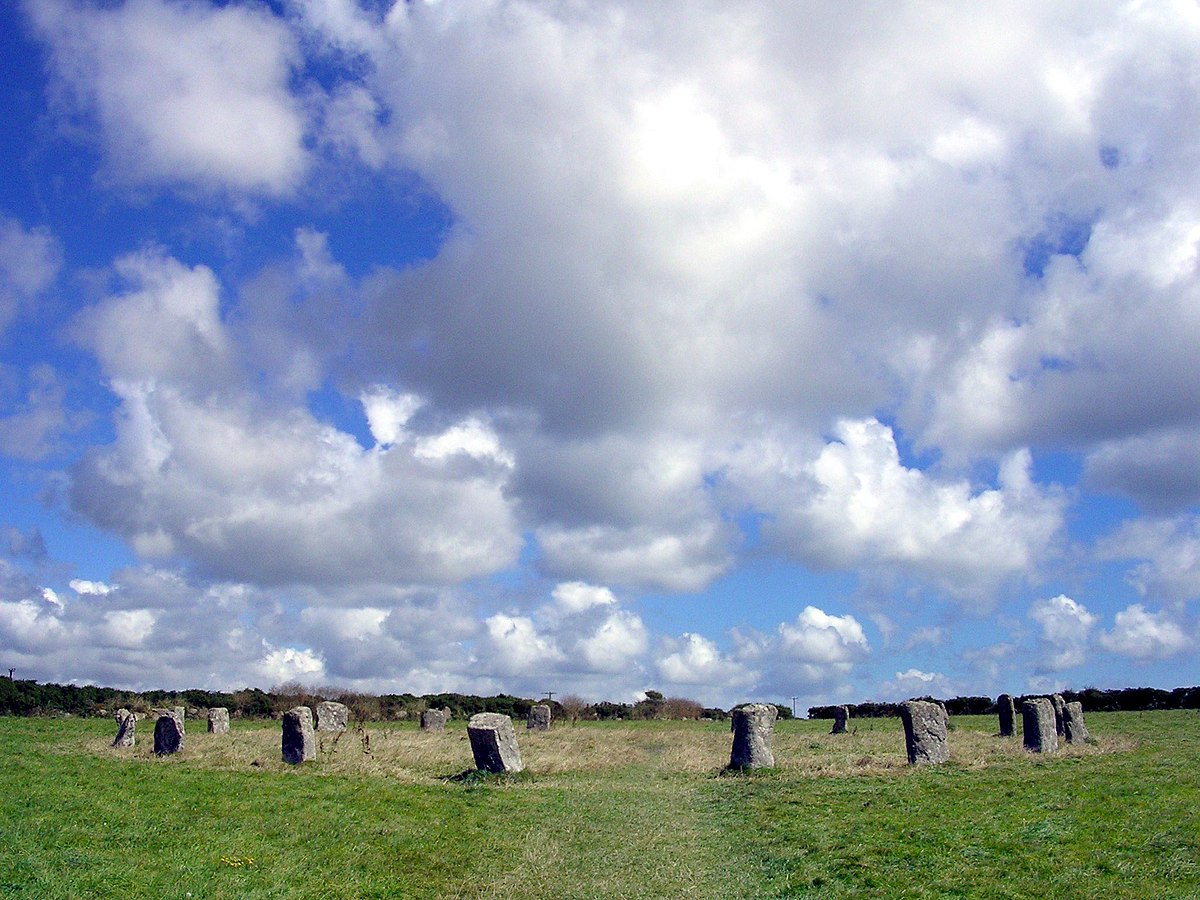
x=625 y=809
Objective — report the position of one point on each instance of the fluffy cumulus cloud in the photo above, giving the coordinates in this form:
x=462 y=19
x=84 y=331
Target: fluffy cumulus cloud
x=694 y=660
x=1065 y=631
x=854 y=503
x=29 y=262
x=917 y=683
x=183 y=92
x=1144 y=635
x=1167 y=552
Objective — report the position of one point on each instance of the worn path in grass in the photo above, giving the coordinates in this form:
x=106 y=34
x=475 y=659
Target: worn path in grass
x=621 y=810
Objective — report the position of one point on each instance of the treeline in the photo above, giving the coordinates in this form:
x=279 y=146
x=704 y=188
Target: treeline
x=29 y=698
x=1093 y=700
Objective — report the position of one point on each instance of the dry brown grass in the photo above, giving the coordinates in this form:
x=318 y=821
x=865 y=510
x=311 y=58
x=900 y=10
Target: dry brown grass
x=400 y=751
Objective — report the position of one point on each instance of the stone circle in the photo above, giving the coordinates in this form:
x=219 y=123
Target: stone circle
x=1037 y=718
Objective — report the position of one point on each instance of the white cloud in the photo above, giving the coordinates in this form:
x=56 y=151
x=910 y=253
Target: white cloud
x=183 y=92
x=516 y=647
x=695 y=660
x=819 y=638
x=29 y=263
x=84 y=587
x=1144 y=635
x=1169 y=550
x=283 y=664
x=1066 y=626
x=577 y=596
x=617 y=642
x=916 y=683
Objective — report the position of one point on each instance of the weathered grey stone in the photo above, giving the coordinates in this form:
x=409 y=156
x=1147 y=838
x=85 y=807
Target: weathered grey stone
x=299 y=740
x=120 y=714
x=126 y=727
x=539 y=718
x=168 y=734
x=753 y=727
x=1007 y=713
x=218 y=720
x=1076 y=731
x=841 y=715
x=494 y=743
x=434 y=720
x=446 y=711
x=176 y=712
x=332 y=716
x=1037 y=717
x=1060 y=706
x=925 y=732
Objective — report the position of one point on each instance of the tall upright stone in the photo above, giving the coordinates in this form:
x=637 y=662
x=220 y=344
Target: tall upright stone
x=841 y=715
x=126 y=728
x=753 y=728
x=1007 y=713
x=1060 y=708
x=168 y=734
x=1037 y=717
x=1076 y=731
x=539 y=718
x=177 y=712
x=433 y=720
x=494 y=743
x=299 y=741
x=332 y=716
x=218 y=720
x=925 y=732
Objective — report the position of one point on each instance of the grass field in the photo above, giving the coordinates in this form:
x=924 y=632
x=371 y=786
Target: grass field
x=636 y=809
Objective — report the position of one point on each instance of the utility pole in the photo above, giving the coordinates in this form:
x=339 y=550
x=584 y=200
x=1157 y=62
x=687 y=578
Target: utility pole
x=550 y=694
x=10 y=674
x=794 y=699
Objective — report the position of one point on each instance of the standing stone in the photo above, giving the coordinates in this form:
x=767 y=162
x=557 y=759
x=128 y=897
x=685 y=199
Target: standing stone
x=434 y=720
x=446 y=712
x=299 y=742
x=120 y=714
x=753 y=727
x=1037 y=716
x=841 y=715
x=539 y=718
x=1060 y=707
x=332 y=716
x=494 y=743
x=126 y=726
x=218 y=720
x=168 y=735
x=1007 y=713
x=1076 y=731
x=925 y=737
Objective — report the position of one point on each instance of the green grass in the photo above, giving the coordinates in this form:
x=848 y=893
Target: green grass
x=604 y=810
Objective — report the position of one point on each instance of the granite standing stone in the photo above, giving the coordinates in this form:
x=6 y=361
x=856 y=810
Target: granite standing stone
x=539 y=718
x=925 y=732
x=1076 y=731
x=434 y=720
x=168 y=735
x=120 y=714
x=332 y=716
x=299 y=741
x=753 y=728
x=841 y=715
x=1037 y=716
x=494 y=743
x=1007 y=712
x=218 y=720
x=1060 y=706
x=126 y=727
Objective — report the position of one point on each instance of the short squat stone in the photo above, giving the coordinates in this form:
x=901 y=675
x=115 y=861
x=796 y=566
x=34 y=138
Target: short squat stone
x=841 y=715
x=1007 y=713
x=1037 y=718
x=218 y=720
x=126 y=727
x=753 y=728
x=332 y=716
x=494 y=743
x=433 y=720
x=925 y=732
x=168 y=734
x=1076 y=731
x=539 y=718
x=299 y=742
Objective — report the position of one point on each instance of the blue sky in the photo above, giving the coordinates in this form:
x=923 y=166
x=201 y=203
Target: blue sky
x=738 y=352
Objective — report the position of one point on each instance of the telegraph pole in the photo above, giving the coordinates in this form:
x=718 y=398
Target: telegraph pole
x=550 y=694
x=794 y=699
